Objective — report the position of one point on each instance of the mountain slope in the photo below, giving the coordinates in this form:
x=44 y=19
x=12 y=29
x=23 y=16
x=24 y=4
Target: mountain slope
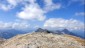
x=10 y=33
x=42 y=40
x=2 y=40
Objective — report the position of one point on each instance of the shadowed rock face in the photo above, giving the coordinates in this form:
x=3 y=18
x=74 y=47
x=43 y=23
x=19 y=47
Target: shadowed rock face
x=42 y=30
x=66 y=31
x=42 y=40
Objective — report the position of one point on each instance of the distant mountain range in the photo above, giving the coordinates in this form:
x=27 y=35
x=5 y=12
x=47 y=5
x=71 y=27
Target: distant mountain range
x=12 y=32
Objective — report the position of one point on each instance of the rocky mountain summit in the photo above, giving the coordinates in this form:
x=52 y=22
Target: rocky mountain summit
x=60 y=32
x=43 y=40
x=43 y=30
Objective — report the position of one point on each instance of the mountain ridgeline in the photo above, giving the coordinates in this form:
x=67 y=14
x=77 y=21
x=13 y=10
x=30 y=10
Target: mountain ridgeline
x=64 y=31
x=12 y=32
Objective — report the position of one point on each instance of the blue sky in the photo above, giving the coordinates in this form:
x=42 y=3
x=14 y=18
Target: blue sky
x=50 y=14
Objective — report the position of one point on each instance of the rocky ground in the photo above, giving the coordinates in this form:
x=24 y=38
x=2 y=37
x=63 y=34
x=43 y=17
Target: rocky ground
x=43 y=40
x=2 y=40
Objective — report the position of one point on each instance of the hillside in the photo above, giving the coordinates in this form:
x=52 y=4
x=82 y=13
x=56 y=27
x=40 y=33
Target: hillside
x=10 y=33
x=2 y=40
x=43 y=40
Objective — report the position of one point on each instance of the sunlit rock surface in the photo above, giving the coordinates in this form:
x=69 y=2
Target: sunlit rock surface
x=43 y=40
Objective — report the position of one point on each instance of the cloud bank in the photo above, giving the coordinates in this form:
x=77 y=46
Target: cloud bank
x=59 y=23
x=14 y=25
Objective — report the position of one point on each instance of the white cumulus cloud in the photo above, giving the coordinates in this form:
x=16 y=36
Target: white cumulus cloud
x=80 y=13
x=49 y=5
x=81 y=2
x=59 y=23
x=11 y=4
x=14 y=25
x=30 y=12
x=33 y=11
x=5 y=7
